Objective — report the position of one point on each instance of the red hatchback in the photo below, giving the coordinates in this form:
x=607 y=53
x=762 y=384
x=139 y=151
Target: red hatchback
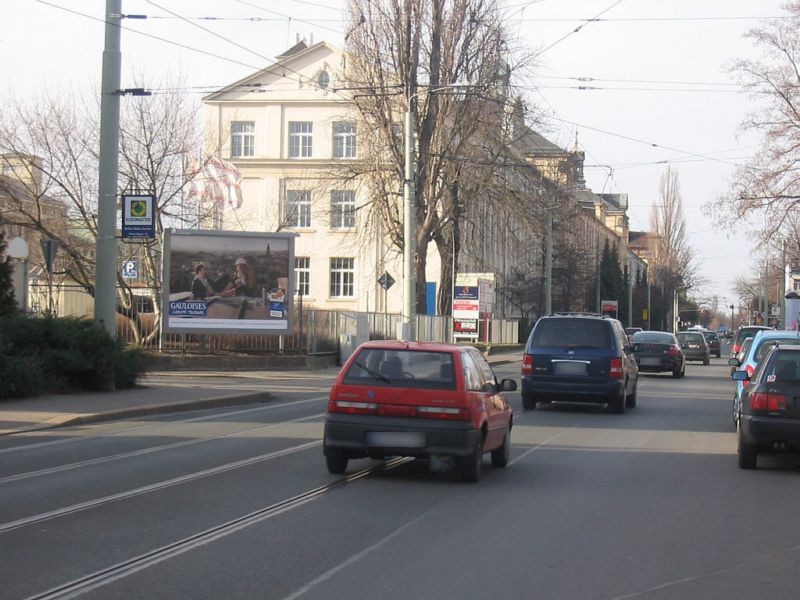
x=418 y=399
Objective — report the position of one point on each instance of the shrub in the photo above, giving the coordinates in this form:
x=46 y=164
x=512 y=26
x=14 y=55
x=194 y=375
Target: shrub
x=63 y=354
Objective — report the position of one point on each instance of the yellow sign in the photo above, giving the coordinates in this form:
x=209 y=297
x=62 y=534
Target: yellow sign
x=645 y=314
x=138 y=208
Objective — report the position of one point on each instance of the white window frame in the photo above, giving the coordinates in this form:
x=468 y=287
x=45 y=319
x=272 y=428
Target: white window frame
x=344 y=139
x=342 y=277
x=243 y=139
x=302 y=274
x=298 y=209
x=301 y=139
x=343 y=209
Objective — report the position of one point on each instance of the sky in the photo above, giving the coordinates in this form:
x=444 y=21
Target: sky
x=665 y=95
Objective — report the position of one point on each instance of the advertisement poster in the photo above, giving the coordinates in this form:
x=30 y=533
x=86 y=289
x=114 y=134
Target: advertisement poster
x=228 y=282
x=609 y=308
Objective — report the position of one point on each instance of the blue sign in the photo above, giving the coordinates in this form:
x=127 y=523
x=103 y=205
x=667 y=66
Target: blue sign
x=187 y=308
x=138 y=216
x=130 y=270
x=467 y=292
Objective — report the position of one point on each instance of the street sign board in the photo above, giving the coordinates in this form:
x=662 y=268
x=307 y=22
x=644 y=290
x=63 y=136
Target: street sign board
x=130 y=270
x=49 y=251
x=386 y=281
x=138 y=216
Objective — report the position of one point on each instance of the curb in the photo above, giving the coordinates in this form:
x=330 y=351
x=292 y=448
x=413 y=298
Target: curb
x=155 y=409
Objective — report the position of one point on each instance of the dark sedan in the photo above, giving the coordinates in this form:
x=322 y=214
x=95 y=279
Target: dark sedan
x=769 y=411
x=658 y=352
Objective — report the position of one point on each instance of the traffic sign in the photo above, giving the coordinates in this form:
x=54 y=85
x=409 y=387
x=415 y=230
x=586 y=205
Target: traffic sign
x=130 y=270
x=386 y=281
x=138 y=216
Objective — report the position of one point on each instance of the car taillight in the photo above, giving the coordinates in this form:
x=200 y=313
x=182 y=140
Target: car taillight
x=735 y=349
x=615 y=372
x=527 y=365
x=352 y=408
x=765 y=401
x=673 y=351
x=444 y=412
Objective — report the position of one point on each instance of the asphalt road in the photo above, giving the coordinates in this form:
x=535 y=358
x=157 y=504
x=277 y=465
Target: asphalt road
x=237 y=503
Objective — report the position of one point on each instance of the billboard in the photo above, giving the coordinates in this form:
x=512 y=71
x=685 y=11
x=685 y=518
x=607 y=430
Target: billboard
x=227 y=282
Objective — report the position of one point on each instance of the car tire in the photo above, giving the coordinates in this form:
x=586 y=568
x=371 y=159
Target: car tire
x=528 y=401
x=734 y=416
x=502 y=455
x=618 y=404
x=472 y=466
x=747 y=455
x=677 y=373
x=336 y=464
x=707 y=360
x=630 y=401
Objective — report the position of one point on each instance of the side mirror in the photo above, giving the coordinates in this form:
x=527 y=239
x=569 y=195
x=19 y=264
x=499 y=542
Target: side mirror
x=490 y=388
x=733 y=362
x=740 y=376
x=508 y=385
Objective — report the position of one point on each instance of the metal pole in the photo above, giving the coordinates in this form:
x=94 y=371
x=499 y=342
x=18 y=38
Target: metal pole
x=548 y=265
x=630 y=293
x=409 y=233
x=783 y=321
x=105 y=300
x=649 y=308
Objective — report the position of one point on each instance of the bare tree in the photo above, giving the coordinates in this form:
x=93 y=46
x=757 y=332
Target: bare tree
x=765 y=191
x=672 y=258
x=60 y=134
x=401 y=52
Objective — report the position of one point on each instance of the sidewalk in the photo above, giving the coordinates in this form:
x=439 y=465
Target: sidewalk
x=157 y=393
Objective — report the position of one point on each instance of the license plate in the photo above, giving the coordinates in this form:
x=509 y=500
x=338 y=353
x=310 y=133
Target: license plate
x=569 y=368
x=395 y=439
x=650 y=362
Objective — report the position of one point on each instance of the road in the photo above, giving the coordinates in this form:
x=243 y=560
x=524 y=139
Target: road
x=237 y=503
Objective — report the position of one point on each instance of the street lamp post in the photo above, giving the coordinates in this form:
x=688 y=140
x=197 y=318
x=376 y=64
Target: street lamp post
x=406 y=331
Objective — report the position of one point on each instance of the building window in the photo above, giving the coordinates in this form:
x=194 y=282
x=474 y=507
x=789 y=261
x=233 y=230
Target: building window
x=243 y=138
x=344 y=140
x=302 y=274
x=323 y=79
x=298 y=208
x=342 y=278
x=343 y=209
x=300 y=138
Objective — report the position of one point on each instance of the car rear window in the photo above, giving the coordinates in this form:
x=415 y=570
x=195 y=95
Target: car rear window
x=402 y=368
x=652 y=337
x=784 y=366
x=580 y=333
x=694 y=338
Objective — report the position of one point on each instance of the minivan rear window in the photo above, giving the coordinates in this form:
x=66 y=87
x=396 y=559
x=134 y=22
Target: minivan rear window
x=402 y=368
x=578 y=333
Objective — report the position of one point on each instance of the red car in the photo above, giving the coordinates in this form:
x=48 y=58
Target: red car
x=418 y=399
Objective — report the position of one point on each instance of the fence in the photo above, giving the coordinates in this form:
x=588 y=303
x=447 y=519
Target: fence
x=319 y=331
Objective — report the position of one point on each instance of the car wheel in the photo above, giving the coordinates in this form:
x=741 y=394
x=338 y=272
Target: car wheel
x=707 y=360
x=473 y=464
x=677 y=372
x=336 y=464
x=528 y=401
x=618 y=403
x=747 y=455
x=502 y=455
x=734 y=416
x=630 y=401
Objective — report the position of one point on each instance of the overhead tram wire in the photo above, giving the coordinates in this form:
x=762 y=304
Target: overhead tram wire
x=274 y=12
x=281 y=73
x=578 y=28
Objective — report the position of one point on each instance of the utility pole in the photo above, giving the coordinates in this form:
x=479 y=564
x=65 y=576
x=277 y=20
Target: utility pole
x=782 y=321
x=630 y=292
x=548 y=263
x=105 y=297
x=409 y=194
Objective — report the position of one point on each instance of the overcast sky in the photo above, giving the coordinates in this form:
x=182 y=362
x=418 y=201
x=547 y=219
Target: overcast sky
x=664 y=95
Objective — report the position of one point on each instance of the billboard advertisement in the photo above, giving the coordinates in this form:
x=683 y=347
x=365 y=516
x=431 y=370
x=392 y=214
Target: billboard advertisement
x=227 y=281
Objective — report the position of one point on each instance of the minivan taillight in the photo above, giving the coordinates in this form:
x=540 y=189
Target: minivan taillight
x=749 y=370
x=735 y=349
x=770 y=402
x=527 y=365
x=615 y=372
x=352 y=408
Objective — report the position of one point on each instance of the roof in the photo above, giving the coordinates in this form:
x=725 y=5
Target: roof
x=531 y=142
x=416 y=346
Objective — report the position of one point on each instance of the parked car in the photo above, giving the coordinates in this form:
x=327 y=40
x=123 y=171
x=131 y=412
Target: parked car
x=753 y=353
x=714 y=344
x=694 y=346
x=579 y=358
x=741 y=334
x=658 y=352
x=769 y=419
x=418 y=399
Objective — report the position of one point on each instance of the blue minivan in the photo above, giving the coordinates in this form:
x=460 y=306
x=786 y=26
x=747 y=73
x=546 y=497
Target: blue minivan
x=579 y=357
